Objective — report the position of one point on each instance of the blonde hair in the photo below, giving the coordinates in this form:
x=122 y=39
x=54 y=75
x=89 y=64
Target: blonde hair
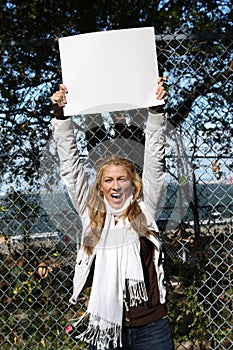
x=97 y=209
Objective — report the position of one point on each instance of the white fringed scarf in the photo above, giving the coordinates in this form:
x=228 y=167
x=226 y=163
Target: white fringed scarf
x=117 y=267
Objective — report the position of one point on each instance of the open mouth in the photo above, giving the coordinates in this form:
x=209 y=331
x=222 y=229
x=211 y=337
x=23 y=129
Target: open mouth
x=116 y=195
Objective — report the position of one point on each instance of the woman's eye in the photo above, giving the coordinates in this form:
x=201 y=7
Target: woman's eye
x=123 y=179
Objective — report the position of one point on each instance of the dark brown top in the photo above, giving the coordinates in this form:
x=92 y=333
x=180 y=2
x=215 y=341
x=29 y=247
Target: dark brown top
x=151 y=310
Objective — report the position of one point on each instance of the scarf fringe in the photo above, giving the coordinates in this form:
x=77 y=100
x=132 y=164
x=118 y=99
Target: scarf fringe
x=137 y=292
x=75 y=324
x=101 y=338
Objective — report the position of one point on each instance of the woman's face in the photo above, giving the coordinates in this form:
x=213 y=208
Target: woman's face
x=116 y=185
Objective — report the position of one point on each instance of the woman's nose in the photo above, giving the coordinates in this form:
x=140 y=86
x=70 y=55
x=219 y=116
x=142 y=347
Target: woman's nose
x=116 y=185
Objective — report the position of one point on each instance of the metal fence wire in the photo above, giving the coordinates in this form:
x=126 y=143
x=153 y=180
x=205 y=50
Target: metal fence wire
x=40 y=230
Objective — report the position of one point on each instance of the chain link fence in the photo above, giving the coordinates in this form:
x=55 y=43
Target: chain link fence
x=40 y=230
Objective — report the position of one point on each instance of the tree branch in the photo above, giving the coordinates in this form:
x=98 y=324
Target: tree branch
x=180 y=113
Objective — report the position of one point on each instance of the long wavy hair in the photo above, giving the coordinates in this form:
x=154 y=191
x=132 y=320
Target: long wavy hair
x=97 y=209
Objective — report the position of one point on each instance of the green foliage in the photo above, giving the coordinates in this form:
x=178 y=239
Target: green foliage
x=189 y=300
x=36 y=308
x=187 y=318
x=185 y=310
x=220 y=270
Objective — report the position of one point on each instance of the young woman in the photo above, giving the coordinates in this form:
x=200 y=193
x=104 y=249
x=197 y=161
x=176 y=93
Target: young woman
x=119 y=240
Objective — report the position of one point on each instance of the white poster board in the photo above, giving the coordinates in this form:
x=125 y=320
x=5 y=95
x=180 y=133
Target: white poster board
x=109 y=70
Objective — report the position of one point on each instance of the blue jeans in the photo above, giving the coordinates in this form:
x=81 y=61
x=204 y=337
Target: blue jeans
x=154 y=336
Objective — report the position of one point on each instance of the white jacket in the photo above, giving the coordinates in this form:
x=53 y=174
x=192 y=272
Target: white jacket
x=76 y=182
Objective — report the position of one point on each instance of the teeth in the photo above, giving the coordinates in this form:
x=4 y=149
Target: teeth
x=116 y=195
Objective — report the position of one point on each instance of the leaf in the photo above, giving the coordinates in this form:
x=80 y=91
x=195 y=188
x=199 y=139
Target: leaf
x=24 y=126
x=183 y=180
x=3 y=208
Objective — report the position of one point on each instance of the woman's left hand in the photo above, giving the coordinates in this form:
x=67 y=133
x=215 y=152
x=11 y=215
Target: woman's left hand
x=161 y=93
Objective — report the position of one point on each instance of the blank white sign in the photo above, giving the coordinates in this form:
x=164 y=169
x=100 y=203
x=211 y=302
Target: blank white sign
x=109 y=70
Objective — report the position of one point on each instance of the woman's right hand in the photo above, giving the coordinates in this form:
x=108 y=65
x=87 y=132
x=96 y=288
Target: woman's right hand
x=59 y=97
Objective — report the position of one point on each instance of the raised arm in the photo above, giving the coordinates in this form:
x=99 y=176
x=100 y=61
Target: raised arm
x=71 y=169
x=154 y=162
